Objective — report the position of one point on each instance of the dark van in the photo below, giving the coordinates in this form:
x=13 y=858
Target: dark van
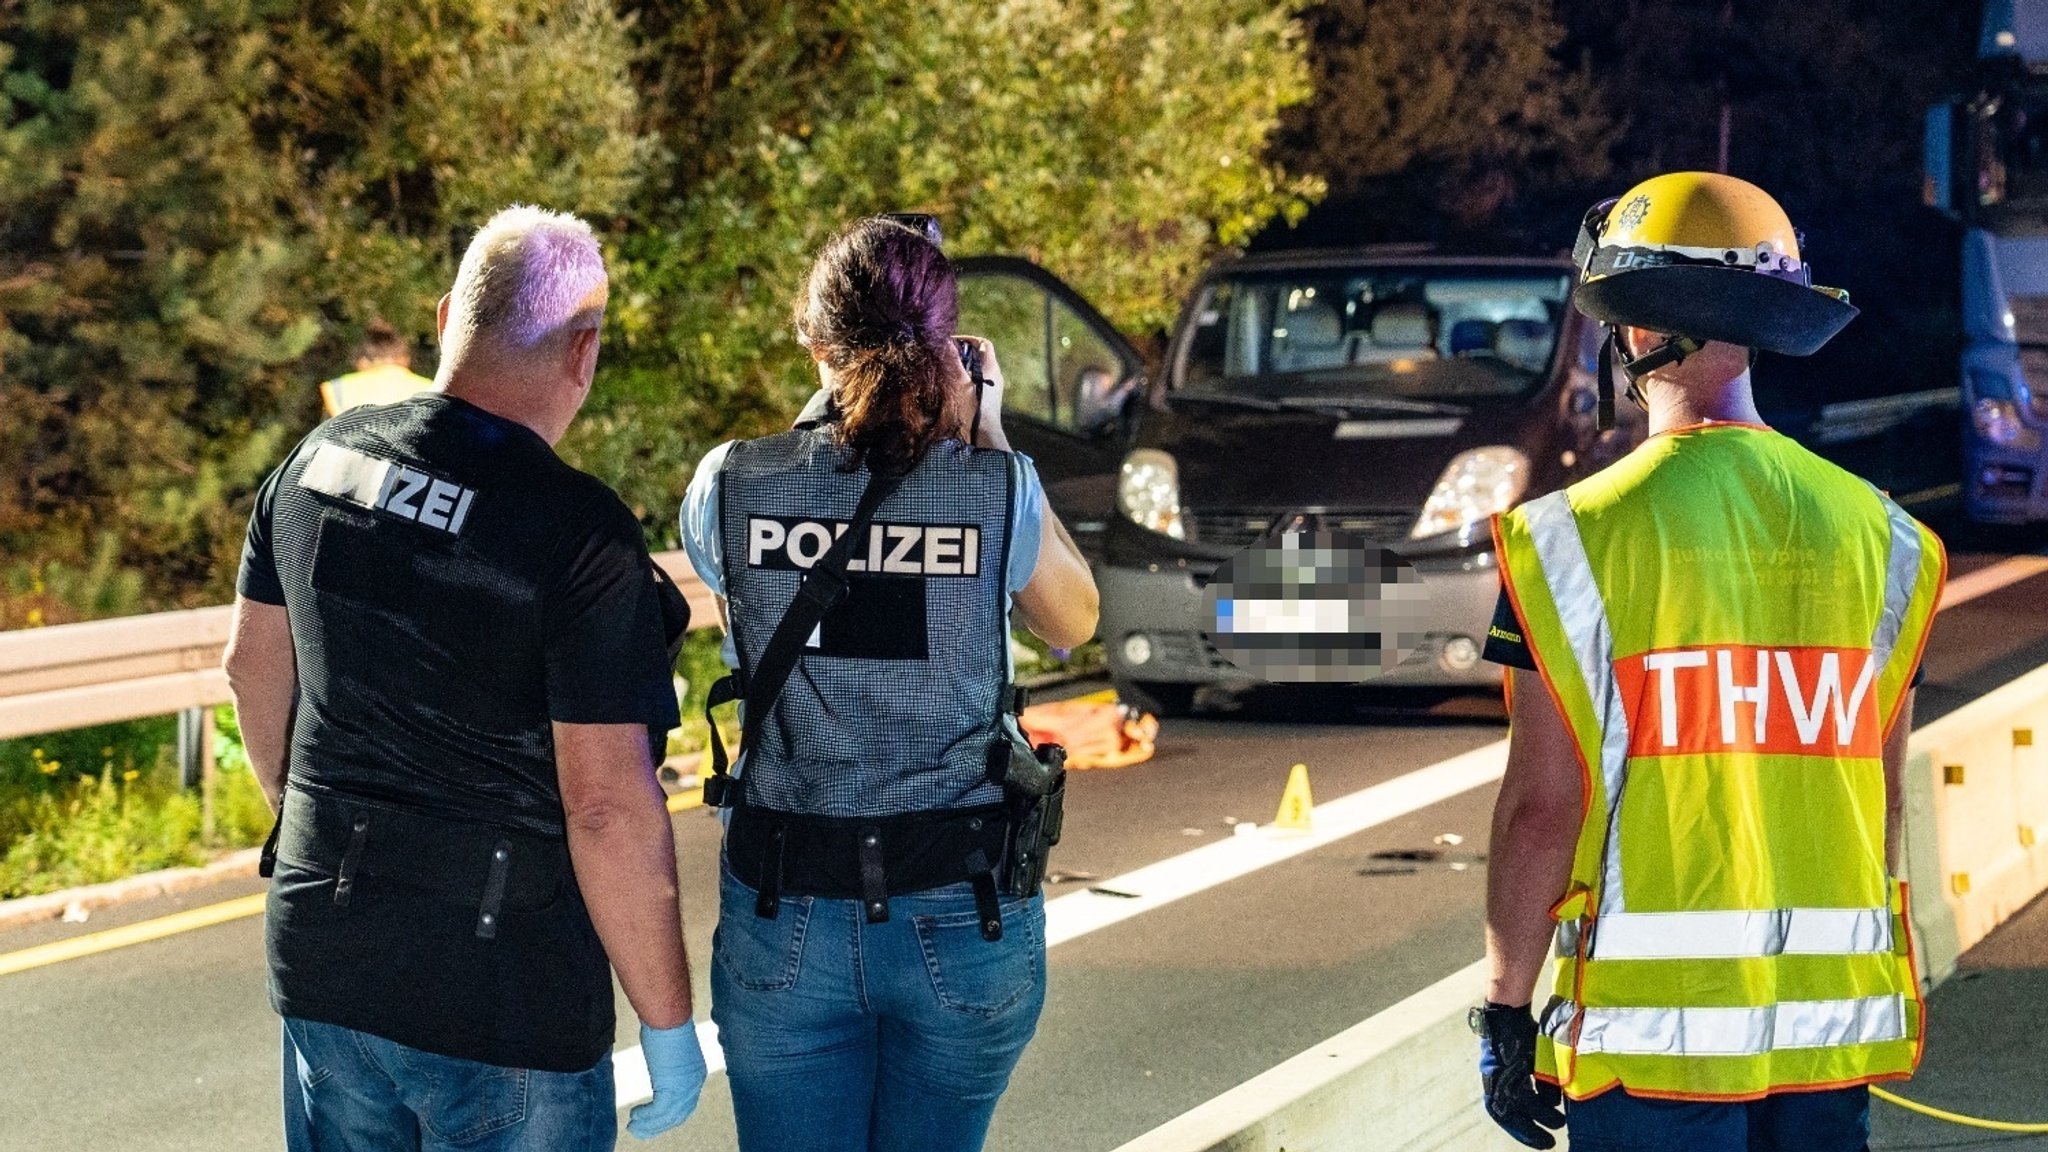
x=1390 y=394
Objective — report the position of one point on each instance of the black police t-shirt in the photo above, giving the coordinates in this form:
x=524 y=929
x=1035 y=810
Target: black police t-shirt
x=453 y=589
x=1507 y=640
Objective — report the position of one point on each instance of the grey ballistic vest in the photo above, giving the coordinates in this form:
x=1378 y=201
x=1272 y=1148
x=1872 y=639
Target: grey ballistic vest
x=895 y=700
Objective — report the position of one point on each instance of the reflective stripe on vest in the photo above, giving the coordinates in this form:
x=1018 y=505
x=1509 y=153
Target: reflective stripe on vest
x=1726 y=935
x=1786 y=1025
x=1569 y=573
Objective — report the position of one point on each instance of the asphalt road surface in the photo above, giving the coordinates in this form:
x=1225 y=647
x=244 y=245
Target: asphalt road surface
x=171 y=1045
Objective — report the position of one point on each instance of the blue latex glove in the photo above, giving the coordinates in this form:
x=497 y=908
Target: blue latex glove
x=675 y=1066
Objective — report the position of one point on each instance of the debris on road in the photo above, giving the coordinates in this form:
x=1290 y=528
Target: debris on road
x=1409 y=861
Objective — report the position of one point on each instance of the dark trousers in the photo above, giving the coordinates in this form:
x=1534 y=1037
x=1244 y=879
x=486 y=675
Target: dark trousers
x=1832 y=1121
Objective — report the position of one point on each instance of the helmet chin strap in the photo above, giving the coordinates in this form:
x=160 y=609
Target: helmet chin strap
x=1673 y=350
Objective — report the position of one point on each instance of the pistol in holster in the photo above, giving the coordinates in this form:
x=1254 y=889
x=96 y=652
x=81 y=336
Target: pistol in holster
x=1034 y=784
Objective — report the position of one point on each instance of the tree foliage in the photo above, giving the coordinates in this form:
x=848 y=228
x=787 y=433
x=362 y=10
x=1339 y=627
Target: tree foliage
x=1119 y=143
x=207 y=199
x=1823 y=103
x=204 y=201
x=1445 y=111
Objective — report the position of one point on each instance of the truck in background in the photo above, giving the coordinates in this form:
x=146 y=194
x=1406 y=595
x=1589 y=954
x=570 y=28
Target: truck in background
x=1987 y=167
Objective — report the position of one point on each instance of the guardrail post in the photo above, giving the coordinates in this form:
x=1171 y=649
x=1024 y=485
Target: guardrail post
x=195 y=762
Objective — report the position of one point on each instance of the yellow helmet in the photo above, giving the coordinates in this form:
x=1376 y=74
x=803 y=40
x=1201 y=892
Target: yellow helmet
x=1704 y=256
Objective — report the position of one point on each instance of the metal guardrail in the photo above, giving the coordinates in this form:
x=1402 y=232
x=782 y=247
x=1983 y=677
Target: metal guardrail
x=77 y=675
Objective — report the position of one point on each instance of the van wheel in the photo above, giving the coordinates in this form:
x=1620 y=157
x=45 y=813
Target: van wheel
x=1164 y=700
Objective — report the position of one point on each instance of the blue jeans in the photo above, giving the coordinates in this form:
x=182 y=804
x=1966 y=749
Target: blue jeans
x=842 y=1035
x=1832 y=1121
x=349 y=1091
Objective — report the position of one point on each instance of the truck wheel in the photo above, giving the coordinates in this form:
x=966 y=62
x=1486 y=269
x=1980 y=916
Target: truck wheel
x=1164 y=700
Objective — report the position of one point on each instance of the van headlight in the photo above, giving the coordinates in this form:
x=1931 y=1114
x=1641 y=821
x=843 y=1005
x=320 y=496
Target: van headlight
x=1148 y=491
x=1477 y=485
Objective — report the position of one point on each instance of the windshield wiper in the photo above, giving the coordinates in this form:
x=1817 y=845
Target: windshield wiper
x=1227 y=399
x=1370 y=405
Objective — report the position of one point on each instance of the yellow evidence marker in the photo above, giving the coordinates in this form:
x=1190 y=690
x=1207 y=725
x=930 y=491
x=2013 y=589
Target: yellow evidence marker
x=1297 y=807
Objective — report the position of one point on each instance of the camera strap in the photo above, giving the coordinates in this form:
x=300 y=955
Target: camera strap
x=824 y=585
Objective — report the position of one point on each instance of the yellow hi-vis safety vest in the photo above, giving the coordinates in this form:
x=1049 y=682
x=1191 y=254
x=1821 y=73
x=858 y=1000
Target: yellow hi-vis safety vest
x=1728 y=625
x=377 y=384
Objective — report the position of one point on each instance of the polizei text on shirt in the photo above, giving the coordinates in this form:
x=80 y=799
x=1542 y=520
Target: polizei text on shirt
x=795 y=543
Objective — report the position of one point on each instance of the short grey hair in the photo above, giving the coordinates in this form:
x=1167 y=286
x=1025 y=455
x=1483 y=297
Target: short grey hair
x=531 y=277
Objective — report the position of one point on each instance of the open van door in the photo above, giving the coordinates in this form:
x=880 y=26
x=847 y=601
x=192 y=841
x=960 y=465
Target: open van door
x=1072 y=384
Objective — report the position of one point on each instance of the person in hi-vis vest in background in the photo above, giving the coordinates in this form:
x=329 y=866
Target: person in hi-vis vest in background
x=1715 y=642
x=383 y=372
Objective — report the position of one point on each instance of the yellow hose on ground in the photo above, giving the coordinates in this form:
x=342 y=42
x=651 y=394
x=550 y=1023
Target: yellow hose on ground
x=1955 y=1118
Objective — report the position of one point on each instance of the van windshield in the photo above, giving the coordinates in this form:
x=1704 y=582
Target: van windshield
x=1332 y=334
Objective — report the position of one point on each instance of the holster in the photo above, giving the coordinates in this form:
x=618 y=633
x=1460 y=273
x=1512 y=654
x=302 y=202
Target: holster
x=1034 y=782
x=1035 y=826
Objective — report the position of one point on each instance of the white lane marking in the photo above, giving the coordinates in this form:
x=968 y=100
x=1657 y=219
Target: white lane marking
x=1221 y=1120
x=1983 y=581
x=1156 y=885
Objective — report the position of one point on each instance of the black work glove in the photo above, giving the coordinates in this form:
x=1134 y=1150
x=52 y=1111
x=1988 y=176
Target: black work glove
x=1521 y=1104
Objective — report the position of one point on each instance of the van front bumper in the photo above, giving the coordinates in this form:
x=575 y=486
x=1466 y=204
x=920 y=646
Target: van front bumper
x=1167 y=607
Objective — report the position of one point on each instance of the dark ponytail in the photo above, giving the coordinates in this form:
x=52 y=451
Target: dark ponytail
x=880 y=309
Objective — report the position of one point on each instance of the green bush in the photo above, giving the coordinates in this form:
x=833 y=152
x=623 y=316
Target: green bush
x=102 y=803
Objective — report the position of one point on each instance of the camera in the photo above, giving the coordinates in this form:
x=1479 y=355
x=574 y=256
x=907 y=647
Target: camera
x=970 y=359
x=923 y=223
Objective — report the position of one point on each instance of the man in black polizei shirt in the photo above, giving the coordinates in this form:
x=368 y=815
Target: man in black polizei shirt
x=449 y=650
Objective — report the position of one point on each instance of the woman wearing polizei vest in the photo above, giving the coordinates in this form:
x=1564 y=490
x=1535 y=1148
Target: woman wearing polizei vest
x=880 y=957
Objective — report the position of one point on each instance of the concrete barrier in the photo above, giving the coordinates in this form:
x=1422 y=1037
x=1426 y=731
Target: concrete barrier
x=1404 y=1079
x=1977 y=819
x=1976 y=841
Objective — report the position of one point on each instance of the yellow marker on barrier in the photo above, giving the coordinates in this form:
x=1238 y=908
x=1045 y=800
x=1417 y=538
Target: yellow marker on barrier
x=2023 y=737
x=1960 y=883
x=1951 y=773
x=1297 y=806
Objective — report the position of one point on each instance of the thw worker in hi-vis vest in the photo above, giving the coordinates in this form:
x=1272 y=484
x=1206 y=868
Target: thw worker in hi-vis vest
x=879 y=963
x=1717 y=641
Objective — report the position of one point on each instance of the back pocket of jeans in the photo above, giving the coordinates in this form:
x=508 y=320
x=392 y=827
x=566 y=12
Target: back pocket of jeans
x=470 y=1100
x=978 y=976
x=760 y=955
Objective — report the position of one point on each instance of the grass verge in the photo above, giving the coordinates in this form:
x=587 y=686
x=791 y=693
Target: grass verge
x=104 y=803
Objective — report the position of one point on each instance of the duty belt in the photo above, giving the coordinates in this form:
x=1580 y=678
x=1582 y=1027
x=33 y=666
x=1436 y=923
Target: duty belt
x=869 y=859
x=467 y=864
